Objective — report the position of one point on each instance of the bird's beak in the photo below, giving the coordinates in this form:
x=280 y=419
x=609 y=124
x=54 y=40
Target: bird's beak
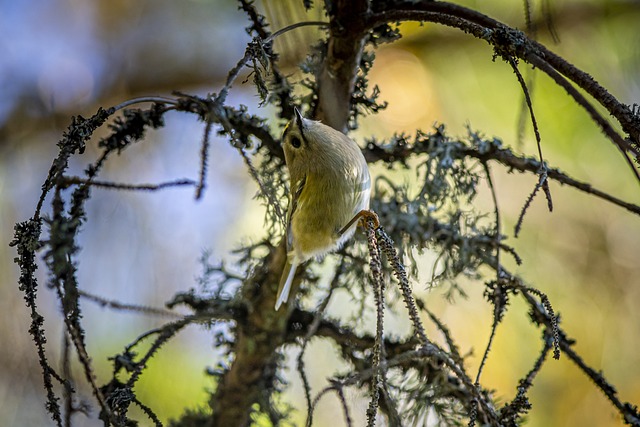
x=298 y=117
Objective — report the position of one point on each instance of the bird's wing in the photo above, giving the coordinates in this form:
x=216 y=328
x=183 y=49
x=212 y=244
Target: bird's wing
x=297 y=188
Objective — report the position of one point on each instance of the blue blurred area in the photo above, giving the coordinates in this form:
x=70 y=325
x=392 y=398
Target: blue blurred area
x=63 y=55
x=63 y=58
x=49 y=51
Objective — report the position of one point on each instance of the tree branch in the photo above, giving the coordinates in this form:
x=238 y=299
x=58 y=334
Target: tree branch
x=337 y=76
x=483 y=27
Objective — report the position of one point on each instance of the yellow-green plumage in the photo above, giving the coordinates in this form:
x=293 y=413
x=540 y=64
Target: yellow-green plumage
x=330 y=184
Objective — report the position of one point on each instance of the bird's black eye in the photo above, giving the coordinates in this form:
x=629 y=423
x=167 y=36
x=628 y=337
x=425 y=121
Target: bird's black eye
x=295 y=142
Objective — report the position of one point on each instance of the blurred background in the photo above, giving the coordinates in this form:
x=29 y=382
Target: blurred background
x=67 y=57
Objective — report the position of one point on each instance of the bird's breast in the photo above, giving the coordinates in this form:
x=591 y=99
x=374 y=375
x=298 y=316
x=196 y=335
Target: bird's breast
x=325 y=206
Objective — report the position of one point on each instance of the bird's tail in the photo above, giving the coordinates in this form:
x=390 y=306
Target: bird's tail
x=288 y=273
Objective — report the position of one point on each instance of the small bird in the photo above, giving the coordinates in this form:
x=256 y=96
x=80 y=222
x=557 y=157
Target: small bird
x=330 y=190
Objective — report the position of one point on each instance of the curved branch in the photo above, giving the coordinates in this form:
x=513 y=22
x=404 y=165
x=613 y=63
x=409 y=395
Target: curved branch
x=400 y=152
x=400 y=353
x=630 y=123
x=608 y=130
x=628 y=411
x=482 y=27
x=524 y=164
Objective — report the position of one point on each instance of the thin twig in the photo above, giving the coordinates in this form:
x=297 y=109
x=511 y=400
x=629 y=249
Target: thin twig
x=453 y=348
x=76 y=180
x=117 y=305
x=511 y=412
x=142 y=99
x=527 y=18
x=337 y=386
x=149 y=413
x=311 y=332
x=622 y=145
x=498 y=228
x=522 y=114
x=543 y=167
x=628 y=411
x=204 y=159
x=248 y=55
x=293 y=27
x=164 y=334
x=66 y=289
x=378 y=292
x=254 y=174
x=485 y=356
x=496 y=211
x=345 y=407
x=541 y=180
x=555 y=330
x=527 y=98
x=67 y=392
x=386 y=244
x=426 y=351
